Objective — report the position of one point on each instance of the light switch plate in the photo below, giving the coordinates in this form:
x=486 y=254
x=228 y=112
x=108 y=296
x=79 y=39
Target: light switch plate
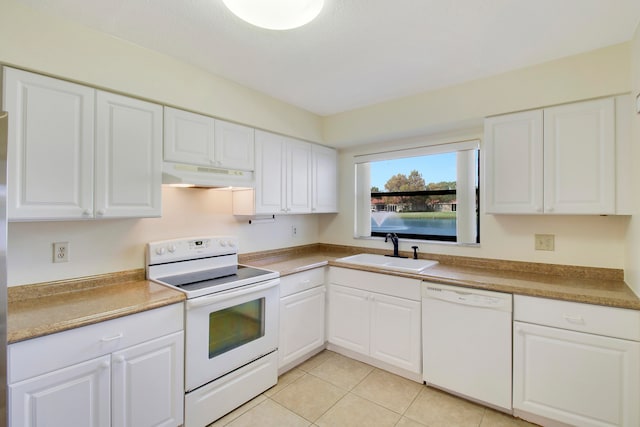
x=545 y=242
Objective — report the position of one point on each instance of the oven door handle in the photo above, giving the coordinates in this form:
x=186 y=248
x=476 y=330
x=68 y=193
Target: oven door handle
x=222 y=296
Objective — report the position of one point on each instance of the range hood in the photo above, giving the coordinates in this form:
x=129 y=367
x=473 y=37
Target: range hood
x=181 y=174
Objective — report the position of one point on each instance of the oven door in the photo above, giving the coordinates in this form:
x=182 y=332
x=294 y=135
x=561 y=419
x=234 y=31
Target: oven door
x=229 y=329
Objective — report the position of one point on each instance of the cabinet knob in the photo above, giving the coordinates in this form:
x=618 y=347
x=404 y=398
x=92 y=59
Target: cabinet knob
x=550 y=209
x=99 y=212
x=86 y=212
x=538 y=209
x=119 y=359
x=104 y=365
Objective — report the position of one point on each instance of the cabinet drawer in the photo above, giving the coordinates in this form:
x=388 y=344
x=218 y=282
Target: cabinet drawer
x=400 y=287
x=593 y=319
x=37 y=356
x=302 y=281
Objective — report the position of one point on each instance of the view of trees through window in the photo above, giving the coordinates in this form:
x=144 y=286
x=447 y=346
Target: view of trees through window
x=415 y=197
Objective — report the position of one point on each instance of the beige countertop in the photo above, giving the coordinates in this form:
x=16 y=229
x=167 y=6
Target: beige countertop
x=47 y=308
x=578 y=284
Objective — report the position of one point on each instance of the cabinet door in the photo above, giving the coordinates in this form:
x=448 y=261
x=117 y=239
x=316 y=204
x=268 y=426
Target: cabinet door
x=79 y=395
x=50 y=146
x=576 y=378
x=301 y=324
x=298 y=169
x=395 y=332
x=349 y=318
x=324 y=179
x=234 y=146
x=270 y=173
x=188 y=137
x=513 y=163
x=579 y=158
x=128 y=157
x=148 y=383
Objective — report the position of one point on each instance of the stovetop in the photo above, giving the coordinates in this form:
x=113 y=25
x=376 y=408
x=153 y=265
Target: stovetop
x=192 y=282
x=200 y=266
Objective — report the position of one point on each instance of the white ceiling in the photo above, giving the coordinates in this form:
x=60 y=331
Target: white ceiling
x=362 y=52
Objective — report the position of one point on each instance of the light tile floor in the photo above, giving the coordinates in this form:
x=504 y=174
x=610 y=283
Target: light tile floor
x=333 y=390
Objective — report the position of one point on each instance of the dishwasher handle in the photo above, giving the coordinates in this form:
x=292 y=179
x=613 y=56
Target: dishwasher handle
x=462 y=296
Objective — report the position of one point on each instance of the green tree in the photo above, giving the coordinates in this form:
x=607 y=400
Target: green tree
x=401 y=182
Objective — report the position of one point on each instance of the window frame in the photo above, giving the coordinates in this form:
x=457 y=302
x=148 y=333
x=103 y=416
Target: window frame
x=362 y=226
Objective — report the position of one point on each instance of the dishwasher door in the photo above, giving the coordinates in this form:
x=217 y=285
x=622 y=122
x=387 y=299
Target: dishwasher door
x=466 y=342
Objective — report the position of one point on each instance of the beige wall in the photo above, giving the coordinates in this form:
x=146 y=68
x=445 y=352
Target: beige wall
x=632 y=260
x=579 y=240
x=104 y=246
x=590 y=75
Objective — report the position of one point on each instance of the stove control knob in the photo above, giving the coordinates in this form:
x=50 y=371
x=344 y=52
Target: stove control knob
x=160 y=251
x=172 y=248
x=223 y=243
x=231 y=243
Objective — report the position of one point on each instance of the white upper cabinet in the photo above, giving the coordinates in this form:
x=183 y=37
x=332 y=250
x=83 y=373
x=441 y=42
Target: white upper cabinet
x=78 y=153
x=51 y=143
x=559 y=160
x=579 y=158
x=513 y=175
x=201 y=140
x=270 y=173
x=128 y=157
x=292 y=176
x=283 y=175
x=234 y=146
x=188 y=137
x=298 y=174
x=324 y=179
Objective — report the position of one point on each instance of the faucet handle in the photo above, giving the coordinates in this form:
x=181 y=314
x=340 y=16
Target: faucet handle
x=415 y=252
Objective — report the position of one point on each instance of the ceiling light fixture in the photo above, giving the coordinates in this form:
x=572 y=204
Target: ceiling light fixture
x=276 y=14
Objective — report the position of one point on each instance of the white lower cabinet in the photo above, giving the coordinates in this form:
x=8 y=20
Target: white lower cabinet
x=376 y=316
x=126 y=372
x=576 y=364
x=302 y=317
x=349 y=318
x=146 y=386
x=79 y=395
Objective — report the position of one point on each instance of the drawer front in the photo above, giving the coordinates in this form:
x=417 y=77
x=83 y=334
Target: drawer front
x=302 y=281
x=386 y=284
x=37 y=356
x=593 y=319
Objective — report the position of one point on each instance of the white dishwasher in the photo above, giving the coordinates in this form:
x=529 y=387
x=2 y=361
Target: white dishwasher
x=466 y=342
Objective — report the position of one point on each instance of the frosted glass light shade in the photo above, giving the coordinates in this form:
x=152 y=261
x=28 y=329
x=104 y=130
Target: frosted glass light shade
x=276 y=14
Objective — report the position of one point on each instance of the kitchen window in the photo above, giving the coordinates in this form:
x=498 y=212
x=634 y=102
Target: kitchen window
x=429 y=193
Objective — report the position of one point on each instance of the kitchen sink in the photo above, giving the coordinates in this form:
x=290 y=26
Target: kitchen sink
x=407 y=265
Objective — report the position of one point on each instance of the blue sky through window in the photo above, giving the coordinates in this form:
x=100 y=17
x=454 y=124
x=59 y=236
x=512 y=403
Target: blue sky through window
x=434 y=168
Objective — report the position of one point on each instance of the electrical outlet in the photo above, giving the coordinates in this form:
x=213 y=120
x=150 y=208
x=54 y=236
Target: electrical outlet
x=294 y=231
x=60 y=251
x=545 y=242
